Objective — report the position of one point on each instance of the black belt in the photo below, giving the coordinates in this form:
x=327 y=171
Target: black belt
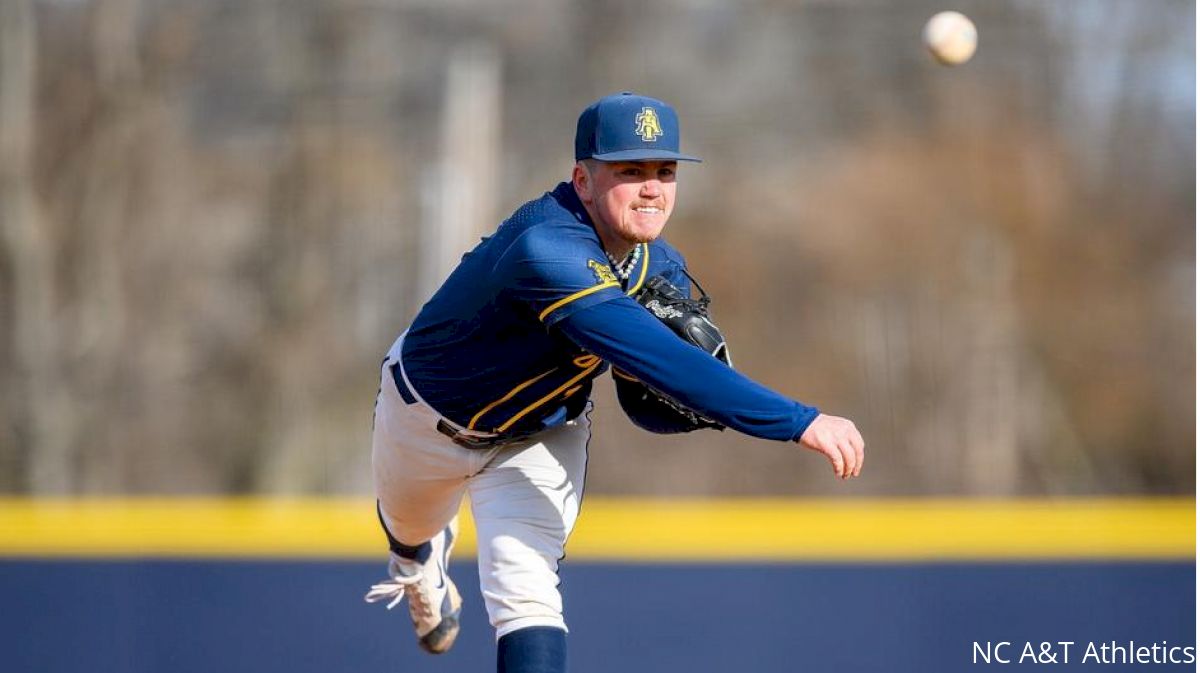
x=467 y=441
x=471 y=442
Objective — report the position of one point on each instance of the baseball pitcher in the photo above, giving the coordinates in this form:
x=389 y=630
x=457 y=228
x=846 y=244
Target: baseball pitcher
x=487 y=393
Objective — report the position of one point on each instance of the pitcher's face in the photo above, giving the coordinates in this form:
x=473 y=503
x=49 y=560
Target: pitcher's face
x=628 y=200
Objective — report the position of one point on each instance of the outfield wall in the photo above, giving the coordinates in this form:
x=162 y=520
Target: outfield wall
x=761 y=585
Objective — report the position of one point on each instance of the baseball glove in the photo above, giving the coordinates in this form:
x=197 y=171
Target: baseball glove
x=690 y=320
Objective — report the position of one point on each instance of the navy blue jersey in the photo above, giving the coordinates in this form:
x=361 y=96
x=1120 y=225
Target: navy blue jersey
x=513 y=339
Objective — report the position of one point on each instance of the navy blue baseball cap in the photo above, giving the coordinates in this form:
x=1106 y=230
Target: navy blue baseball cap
x=628 y=127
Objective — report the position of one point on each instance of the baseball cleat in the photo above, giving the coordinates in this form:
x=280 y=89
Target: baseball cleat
x=433 y=601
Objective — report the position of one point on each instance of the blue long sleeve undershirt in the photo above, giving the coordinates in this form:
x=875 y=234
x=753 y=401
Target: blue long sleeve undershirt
x=629 y=338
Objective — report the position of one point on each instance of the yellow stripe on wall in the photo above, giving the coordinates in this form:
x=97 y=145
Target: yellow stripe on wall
x=612 y=529
x=886 y=530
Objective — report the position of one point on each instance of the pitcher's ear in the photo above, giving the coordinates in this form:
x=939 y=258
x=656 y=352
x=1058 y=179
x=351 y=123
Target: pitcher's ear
x=581 y=179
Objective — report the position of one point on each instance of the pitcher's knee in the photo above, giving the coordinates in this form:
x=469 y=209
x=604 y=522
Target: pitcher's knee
x=519 y=597
x=520 y=585
x=403 y=528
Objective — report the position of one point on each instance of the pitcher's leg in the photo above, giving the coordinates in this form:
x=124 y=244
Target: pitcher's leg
x=420 y=479
x=525 y=502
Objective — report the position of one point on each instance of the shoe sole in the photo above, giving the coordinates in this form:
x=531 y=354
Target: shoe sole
x=441 y=638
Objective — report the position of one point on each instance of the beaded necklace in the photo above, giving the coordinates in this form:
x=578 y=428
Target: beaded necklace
x=626 y=266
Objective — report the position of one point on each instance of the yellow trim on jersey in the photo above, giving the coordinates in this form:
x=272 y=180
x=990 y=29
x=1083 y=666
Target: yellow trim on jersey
x=645 y=266
x=627 y=377
x=624 y=529
x=554 y=393
x=582 y=293
x=585 y=360
x=507 y=397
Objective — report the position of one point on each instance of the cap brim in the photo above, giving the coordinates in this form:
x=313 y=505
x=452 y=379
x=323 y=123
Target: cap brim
x=644 y=155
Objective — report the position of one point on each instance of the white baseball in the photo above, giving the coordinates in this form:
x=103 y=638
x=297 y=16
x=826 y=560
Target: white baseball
x=951 y=38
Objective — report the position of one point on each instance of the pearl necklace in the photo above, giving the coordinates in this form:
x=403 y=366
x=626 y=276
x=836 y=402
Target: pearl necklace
x=624 y=268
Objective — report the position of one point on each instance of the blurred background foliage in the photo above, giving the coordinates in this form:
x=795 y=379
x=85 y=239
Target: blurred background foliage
x=216 y=216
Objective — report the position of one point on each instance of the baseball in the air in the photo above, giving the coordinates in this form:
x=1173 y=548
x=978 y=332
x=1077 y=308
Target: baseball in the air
x=951 y=38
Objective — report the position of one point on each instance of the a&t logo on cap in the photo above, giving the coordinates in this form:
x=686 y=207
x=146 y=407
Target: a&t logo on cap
x=647 y=125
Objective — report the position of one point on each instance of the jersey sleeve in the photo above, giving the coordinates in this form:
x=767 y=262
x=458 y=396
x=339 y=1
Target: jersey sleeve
x=628 y=337
x=557 y=272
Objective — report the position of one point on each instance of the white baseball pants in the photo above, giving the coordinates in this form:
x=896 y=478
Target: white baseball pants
x=525 y=498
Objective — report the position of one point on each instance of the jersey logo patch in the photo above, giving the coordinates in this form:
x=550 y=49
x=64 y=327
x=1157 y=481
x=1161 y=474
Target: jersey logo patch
x=603 y=272
x=647 y=125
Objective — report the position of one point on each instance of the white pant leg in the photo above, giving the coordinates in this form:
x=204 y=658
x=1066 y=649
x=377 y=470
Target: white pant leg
x=420 y=475
x=525 y=502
